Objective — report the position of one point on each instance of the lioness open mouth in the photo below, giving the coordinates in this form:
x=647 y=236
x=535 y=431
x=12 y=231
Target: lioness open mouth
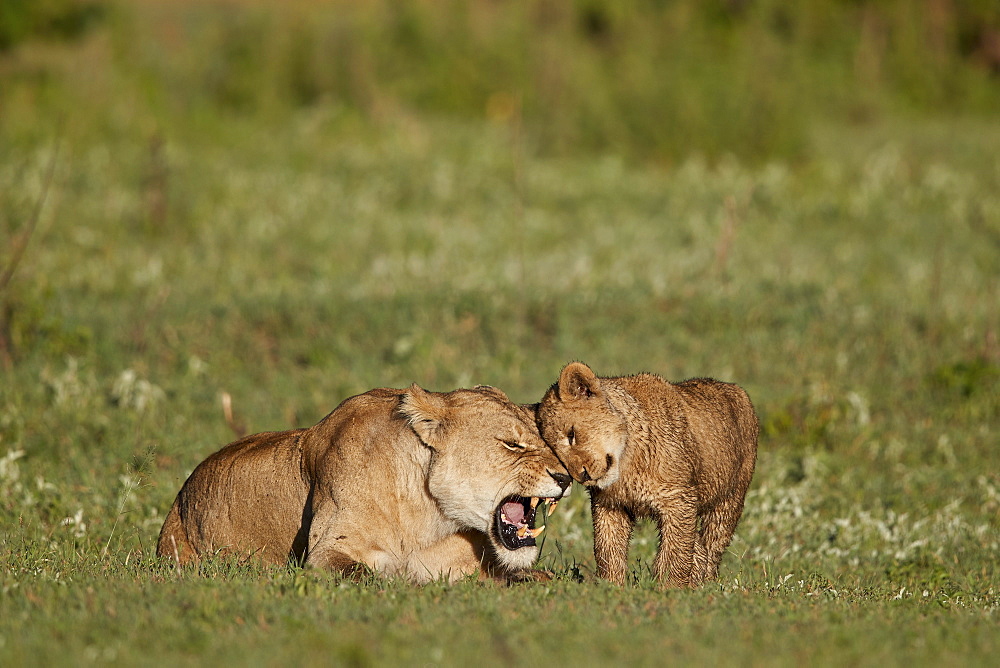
x=514 y=520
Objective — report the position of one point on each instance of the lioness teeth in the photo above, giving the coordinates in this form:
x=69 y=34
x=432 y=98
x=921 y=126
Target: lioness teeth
x=535 y=533
x=534 y=501
x=522 y=531
x=552 y=508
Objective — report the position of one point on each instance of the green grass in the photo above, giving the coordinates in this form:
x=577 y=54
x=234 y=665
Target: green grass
x=293 y=259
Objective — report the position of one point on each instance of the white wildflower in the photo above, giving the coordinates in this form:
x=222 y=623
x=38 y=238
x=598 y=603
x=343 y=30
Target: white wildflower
x=130 y=391
x=10 y=473
x=76 y=523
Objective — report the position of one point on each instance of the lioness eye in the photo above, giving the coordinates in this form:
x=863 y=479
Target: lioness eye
x=513 y=445
x=571 y=435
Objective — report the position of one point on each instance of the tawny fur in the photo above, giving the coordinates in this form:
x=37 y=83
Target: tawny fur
x=682 y=454
x=404 y=482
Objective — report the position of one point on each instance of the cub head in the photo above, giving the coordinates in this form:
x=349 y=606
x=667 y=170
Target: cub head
x=583 y=427
x=490 y=468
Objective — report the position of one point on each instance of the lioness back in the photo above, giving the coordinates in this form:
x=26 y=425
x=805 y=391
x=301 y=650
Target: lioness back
x=250 y=498
x=245 y=499
x=721 y=417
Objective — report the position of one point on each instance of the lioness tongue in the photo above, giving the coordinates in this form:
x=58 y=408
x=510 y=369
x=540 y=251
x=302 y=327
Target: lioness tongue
x=514 y=512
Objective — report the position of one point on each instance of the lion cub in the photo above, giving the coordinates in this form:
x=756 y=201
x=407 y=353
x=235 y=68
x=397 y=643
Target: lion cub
x=680 y=453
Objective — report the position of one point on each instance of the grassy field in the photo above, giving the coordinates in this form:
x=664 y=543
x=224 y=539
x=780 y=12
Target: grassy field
x=174 y=252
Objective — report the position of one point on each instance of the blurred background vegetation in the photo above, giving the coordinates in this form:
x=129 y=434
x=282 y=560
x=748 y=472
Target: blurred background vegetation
x=649 y=79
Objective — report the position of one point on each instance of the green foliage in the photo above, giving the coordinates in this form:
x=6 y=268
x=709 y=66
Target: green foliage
x=966 y=377
x=64 y=19
x=653 y=81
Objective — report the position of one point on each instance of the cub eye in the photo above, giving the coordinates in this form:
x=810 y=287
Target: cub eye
x=571 y=436
x=514 y=445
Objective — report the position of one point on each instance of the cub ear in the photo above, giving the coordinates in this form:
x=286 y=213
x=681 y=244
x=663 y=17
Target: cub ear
x=426 y=412
x=578 y=381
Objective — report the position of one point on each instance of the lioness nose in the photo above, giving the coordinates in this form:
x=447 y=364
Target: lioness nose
x=561 y=479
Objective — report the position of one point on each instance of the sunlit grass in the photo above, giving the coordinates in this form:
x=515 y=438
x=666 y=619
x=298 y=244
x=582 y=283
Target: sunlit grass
x=853 y=300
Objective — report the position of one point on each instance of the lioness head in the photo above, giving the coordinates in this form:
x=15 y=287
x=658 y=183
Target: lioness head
x=587 y=432
x=490 y=467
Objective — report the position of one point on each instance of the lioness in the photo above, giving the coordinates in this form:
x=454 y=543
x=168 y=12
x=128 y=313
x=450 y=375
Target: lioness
x=679 y=453
x=406 y=482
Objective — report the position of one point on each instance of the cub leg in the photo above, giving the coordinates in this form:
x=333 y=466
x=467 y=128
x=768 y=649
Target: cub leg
x=676 y=520
x=717 y=529
x=612 y=531
x=702 y=565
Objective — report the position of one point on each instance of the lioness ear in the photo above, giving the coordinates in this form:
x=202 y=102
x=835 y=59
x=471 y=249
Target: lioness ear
x=426 y=412
x=577 y=381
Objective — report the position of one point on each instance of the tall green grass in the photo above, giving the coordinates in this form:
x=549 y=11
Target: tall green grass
x=640 y=79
